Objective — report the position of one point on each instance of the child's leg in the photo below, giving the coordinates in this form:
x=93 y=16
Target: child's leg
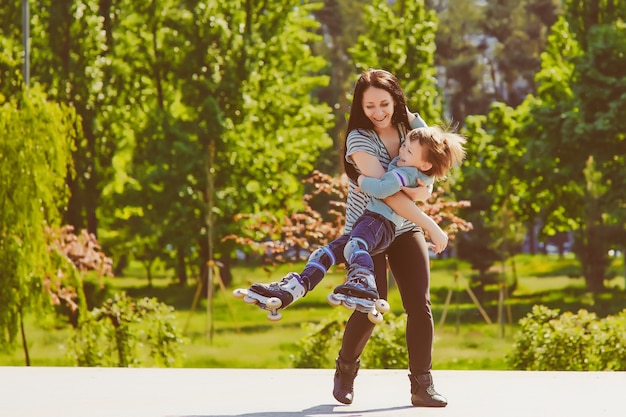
x=295 y=286
x=371 y=235
x=361 y=281
x=289 y=289
x=322 y=259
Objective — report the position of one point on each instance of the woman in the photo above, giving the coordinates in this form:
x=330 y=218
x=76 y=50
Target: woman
x=377 y=127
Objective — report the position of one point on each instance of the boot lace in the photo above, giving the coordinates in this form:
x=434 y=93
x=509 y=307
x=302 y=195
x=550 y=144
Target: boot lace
x=359 y=278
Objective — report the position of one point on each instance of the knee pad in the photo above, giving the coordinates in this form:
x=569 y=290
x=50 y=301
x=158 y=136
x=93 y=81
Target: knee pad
x=353 y=247
x=322 y=258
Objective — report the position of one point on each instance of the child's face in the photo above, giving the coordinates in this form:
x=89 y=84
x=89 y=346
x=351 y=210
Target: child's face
x=413 y=154
x=378 y=106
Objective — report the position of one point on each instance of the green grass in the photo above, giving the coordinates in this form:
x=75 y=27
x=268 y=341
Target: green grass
x=232 y=334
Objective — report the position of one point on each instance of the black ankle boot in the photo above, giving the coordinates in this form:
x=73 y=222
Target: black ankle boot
x=423 y=392
x=344 y=380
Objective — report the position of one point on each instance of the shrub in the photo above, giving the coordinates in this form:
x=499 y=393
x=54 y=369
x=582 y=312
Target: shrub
x=313 y=349
x=386 y=348
x=548 y=341
x=113 y=334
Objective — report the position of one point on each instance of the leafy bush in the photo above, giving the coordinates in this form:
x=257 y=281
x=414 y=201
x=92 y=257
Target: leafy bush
x=386 y=348
x=548 y=341
x=314 y=348
x=112 y=334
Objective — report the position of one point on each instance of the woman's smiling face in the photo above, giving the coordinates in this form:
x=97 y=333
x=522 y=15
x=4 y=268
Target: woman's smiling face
x=378 y=106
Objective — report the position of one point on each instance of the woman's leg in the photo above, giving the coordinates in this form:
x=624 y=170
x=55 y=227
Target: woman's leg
x=410 y=264
x=357 y=333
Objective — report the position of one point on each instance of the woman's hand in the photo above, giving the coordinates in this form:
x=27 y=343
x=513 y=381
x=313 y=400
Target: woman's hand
x=439 y=239
x=421 y=193
x=359 y=180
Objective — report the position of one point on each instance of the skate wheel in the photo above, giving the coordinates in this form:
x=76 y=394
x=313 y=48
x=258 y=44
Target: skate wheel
x=249 y=300
x=274 y=316
x=273 y=302
x=382 y=306
x=349 y=304
x=332 y=300
x=375 y=318
x=240 y=293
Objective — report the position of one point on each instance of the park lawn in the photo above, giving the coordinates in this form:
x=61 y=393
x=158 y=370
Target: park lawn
x=232 y=334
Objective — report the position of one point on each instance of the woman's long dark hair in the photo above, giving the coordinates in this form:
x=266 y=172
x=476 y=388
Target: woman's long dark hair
x=358 y=120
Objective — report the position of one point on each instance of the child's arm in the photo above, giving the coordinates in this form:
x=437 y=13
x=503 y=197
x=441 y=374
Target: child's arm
x=415 y=120
x=390 y=183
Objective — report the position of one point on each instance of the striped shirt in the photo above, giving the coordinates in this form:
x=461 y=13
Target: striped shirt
x=364 y=140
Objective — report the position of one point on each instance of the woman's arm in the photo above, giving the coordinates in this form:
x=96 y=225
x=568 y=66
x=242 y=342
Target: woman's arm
x=402 y=204
x=421 y=193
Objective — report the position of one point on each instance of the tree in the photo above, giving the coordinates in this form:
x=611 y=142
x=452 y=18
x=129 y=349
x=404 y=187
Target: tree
x=36 y=138
x=310 y=229
x=463 y=57
x=340 y=23
x=488 y=50
x=520 y=28
x=69 y=58
x=492 y=180
x=225 y=93
x=576 y=134
x=401 y=40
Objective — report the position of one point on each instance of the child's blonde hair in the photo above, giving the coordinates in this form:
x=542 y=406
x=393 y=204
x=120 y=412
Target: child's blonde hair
x=444 y=149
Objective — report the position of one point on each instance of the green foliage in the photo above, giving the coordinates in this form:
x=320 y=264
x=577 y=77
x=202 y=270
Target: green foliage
x=400 y=38
x=459 y=53
x=113 y=334
x=11 y=82
x=35 y=145
x=313 y=349
x=574 y=126
x=498 y=207
x=533 y=164
x=227 y=120
x=275 y=129
x=548 y=341
x=386 y=348
x=69 y=59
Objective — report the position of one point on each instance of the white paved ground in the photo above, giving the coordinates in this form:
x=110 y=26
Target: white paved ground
x=98 y=392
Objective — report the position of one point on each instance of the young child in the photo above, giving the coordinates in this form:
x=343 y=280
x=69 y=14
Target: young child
x=428 y=153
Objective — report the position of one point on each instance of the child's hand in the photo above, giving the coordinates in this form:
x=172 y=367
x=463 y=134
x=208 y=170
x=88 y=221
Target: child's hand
x=359 y=180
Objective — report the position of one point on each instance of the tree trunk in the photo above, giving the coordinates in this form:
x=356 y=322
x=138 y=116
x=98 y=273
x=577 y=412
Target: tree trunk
x=23 y=333
x=226 y=270
x=593 y=258
x=181 y=267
